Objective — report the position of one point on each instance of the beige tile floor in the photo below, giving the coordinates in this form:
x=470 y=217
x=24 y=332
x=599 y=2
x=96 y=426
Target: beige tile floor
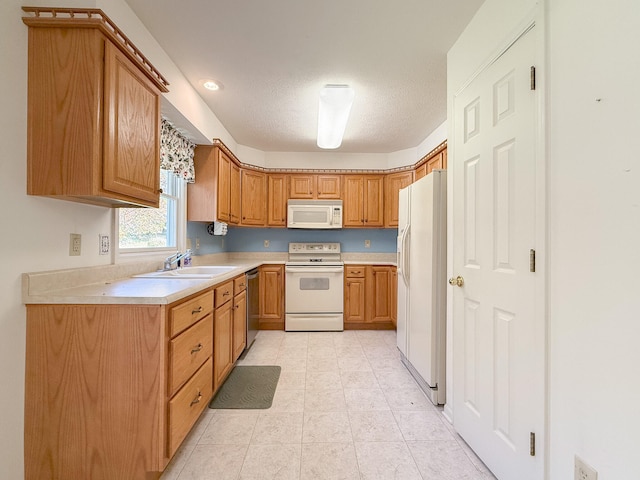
x=345 y=408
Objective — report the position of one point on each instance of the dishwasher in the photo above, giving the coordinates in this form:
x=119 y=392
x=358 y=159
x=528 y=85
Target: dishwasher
x=253 y=306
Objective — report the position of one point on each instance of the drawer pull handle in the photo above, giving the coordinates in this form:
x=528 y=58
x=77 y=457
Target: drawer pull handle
x=197 y=310
x=242 y=284
x=355 y=271
x=197 y=399
x=226 y=293
x=196 y=349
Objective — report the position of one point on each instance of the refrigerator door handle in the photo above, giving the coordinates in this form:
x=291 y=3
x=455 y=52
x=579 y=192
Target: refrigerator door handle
x=405 y=255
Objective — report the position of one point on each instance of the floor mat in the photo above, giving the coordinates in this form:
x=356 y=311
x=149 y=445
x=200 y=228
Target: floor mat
x=250 y=387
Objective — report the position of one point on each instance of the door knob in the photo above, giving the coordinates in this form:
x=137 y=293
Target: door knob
x=456 y=281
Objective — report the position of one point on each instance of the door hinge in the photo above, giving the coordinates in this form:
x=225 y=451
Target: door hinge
x=532 y=444
x=533 y=77
x=532 y=260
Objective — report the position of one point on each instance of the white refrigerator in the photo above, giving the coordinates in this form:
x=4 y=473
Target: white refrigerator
x=422 y=259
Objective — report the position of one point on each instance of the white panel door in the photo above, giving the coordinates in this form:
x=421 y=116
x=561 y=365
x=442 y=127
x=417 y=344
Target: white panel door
x=498 y=352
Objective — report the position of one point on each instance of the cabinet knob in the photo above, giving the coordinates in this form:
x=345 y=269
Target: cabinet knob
x=159 y=190
x=196 y=349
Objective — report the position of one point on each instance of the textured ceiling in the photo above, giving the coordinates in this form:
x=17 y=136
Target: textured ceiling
x=273 y=56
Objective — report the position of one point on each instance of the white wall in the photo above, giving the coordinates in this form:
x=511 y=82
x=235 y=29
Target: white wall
x=594 y=226
x=593 y=195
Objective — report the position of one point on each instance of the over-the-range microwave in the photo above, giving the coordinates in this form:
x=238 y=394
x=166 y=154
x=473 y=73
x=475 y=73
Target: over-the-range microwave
x=315 y=214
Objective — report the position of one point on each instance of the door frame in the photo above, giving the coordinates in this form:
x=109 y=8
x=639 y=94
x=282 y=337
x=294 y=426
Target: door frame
x=536 y=17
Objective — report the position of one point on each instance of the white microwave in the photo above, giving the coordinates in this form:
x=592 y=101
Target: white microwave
x=314 y=214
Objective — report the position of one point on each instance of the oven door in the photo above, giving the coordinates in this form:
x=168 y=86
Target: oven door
x=314 y=289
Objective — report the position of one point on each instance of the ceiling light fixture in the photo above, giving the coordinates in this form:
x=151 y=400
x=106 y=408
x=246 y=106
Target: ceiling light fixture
x=211 y=85
x=333 y=113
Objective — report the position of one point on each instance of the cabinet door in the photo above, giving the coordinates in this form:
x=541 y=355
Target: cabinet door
x=239 y=324
x=234 y=194
x=393 y=184
x=373 y=201
x=302 y=186
x=353 y=212
x=277 y=201
x=380 y=295
x=329 y=187
x=271 y=297
x=354 y=300
x=434 y=163
x=131 y=163
x=222 y=346
x=224 y=183
x=254 y=198
x=421 y=171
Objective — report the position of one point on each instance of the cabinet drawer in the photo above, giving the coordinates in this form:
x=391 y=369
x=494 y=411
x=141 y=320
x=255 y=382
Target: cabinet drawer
x=188 y=351
x=354 y=271
x=186 y=314
x=239 y=284
x=187 y=405
x=223 y=293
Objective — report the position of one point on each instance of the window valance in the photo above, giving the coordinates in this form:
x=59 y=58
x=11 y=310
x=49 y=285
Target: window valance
x=176 y=152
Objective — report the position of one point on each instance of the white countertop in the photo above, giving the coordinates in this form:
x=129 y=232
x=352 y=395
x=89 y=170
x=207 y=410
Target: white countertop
x=115 y=284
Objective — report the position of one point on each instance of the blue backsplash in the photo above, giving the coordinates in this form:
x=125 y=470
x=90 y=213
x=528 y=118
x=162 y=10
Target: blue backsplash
x=383 y=240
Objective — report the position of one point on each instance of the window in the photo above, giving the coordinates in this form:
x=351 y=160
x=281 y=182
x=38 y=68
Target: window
x=154 y=229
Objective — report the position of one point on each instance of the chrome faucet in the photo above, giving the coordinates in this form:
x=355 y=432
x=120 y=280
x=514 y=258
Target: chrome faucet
x=173 y=261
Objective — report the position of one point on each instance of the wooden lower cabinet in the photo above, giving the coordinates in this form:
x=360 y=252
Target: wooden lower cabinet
x=112 y=390
x=271 y=297
x=239 y=324
x=369 y=292
x=222 y=334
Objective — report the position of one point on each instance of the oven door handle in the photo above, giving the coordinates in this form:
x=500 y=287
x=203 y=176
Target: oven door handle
x=298 y=269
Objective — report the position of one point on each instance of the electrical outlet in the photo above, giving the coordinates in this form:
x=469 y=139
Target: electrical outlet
x=104 y=245
x=367 y=244
x=75 y=244
x=197 y=243
x=584 y=471
x=266 y=244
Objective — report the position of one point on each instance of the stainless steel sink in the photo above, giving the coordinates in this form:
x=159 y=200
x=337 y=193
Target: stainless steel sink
x=205 y=271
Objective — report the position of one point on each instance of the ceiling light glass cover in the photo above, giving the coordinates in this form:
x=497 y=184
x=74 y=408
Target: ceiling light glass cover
x=333 y=113
x=211 y=85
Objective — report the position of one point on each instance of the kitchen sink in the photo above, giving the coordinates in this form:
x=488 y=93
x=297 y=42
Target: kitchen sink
x=205 y=271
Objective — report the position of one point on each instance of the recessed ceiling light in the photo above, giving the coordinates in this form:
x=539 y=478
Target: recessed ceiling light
x=211 y=85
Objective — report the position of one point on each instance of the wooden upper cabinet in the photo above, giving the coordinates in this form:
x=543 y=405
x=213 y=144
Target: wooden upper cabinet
x=254 y=193
x=223 y=197
x=215 y=195
x=363 y=201
x=329 y=187
x=393 y=183
x=312 y=186
x=277 y=200
x=235 y=203
x=435 y=162
x=93 y=127
x=302 y=186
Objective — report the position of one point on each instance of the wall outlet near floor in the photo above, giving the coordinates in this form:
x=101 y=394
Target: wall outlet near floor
x=104 y=244
x=266 y=244
x=197 y=243
x=584 y=471
x=75 y=244
x=367 y=244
